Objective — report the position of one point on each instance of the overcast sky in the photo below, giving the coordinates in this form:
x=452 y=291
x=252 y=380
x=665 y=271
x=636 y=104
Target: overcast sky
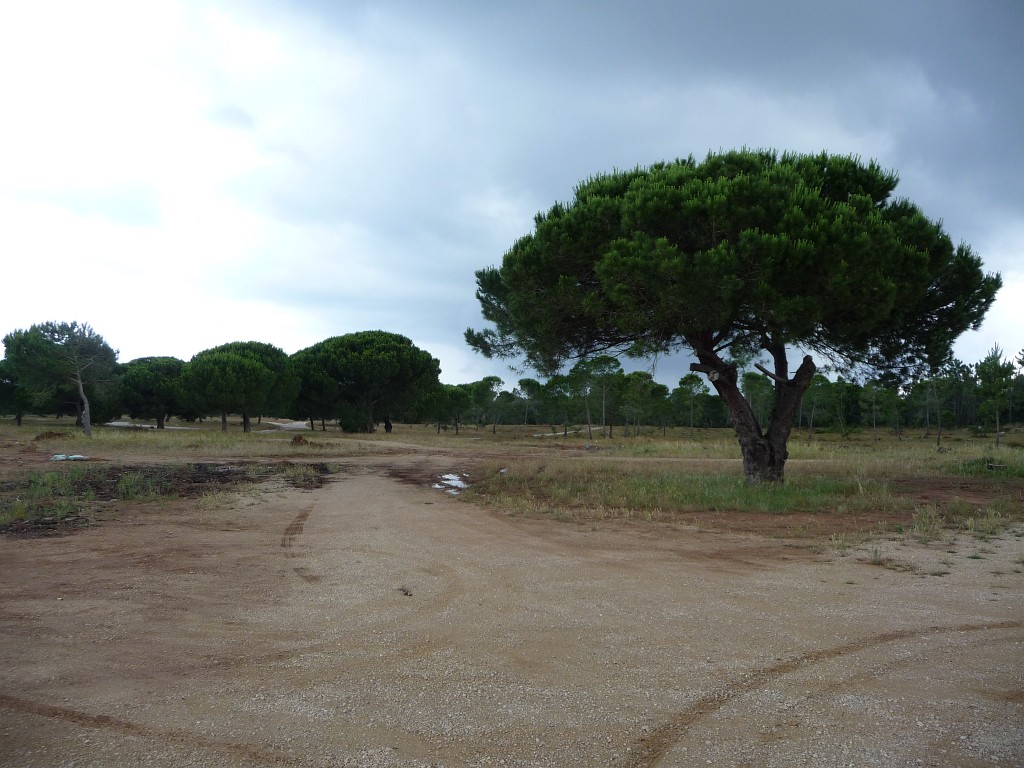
x=183 y=174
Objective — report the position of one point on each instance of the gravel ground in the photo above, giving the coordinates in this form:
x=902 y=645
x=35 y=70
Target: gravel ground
x=386 y=624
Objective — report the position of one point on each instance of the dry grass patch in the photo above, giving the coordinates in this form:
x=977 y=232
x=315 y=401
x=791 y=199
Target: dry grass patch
x=582 y=490
x=837 y=491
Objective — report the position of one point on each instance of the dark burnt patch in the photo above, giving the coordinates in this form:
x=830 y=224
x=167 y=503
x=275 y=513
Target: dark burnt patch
x=65 y=498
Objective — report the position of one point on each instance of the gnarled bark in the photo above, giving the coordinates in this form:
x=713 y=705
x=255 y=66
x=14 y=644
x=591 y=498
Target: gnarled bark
x=764 y=451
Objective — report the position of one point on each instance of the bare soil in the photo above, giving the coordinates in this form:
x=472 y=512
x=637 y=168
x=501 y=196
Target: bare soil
x=378 y=621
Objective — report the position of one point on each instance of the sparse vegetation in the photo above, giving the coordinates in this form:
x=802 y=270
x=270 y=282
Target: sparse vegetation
x=839 y=543
x=927 y=524
x=1004 y=466
x=843 y=491
x=74 y=494
x=200 y=440
x=136 y=485
x=902 y=487
x=667 y=491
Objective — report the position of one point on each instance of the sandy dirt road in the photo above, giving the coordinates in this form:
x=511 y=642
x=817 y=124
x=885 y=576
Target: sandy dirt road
x=379 y=622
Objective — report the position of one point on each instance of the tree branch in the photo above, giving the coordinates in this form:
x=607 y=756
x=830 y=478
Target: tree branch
x=770 y=375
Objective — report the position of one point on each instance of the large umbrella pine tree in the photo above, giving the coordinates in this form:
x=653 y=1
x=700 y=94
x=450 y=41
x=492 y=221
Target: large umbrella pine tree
x=748 y=255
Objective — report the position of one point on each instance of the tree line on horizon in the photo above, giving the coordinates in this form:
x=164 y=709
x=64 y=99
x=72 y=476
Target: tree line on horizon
x=742 y=258
x=354 y=380
x=357 y=380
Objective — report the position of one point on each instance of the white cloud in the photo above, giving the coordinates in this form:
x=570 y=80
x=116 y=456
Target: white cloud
x=1001 y=251
x=90 y=89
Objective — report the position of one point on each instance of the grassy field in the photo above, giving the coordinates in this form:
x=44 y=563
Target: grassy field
x=858 y=484
x=886 y=484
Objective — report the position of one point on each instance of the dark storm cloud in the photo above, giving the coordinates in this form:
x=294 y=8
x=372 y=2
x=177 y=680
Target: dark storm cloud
x=349 y=165
x=454 y=98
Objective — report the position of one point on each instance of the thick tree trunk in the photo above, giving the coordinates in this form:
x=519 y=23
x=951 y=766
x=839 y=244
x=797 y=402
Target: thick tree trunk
x=764 y=451
x=160 y=421
x=763 y=462
x=246 y=422
x=223 y=421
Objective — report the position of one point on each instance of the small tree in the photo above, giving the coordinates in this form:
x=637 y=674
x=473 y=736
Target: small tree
x=558 y=396
x=643 y=400
x=483 y=397
x=846 y=402
x=994 y=377
x=712 y=411
x=531 y=393
x=894 y=407
x=601 y=379
x=61 y=363
x=581 y=385
x=871 y=405
x=458 y=399
x=690 y=386
x=817 y=400
x=745 y=253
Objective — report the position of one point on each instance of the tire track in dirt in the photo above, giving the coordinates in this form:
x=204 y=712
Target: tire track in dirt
x=184 y=739
x=291 y=532
x=650 y=749
x=425 y=601
x=295 y=528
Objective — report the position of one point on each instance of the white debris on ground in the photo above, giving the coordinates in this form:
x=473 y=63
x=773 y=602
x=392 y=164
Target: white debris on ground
x=452 y=483
x=134 y=425
x=68 y=457
x=296 y=425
